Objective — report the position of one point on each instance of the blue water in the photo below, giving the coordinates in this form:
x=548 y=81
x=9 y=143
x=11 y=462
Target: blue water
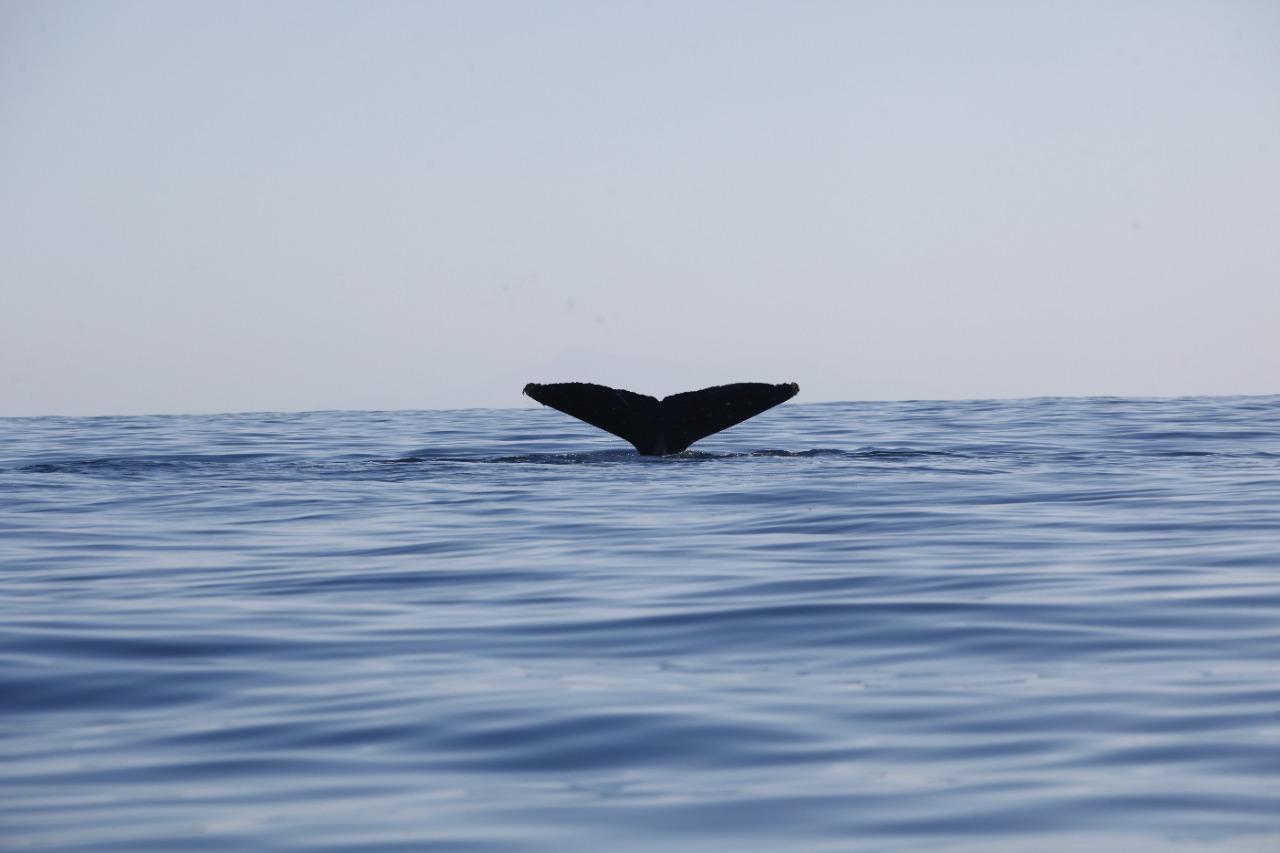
x=1008 y=625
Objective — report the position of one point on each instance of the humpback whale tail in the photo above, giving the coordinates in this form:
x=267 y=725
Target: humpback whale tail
x=670 y=425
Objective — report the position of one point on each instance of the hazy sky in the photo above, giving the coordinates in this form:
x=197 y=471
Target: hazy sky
x=229 y=206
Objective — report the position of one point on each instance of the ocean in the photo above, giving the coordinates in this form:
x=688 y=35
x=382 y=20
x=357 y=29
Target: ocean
x=981 y=625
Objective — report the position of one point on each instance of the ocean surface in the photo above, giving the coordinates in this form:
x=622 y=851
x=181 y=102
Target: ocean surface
x=987 y=625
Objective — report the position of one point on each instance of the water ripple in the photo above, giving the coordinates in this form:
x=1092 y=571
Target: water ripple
x=998 y=625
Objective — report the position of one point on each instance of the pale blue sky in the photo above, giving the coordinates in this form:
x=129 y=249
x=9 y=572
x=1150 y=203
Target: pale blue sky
x=230 y=206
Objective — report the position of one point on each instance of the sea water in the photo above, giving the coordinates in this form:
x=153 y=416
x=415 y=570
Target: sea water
x=1011 y=625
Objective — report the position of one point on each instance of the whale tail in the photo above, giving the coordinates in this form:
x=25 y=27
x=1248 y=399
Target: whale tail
x=658 y=427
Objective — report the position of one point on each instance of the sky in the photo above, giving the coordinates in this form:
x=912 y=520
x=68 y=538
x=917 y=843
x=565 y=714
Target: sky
x=245 y=206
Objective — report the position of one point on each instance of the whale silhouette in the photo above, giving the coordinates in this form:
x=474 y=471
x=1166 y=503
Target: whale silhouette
x=661 y=427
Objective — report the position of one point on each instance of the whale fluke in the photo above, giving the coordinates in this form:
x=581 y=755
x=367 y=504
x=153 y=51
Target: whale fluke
x=658 y=427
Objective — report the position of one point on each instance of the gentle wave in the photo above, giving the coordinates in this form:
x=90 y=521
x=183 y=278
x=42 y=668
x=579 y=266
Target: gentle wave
x=997 y=625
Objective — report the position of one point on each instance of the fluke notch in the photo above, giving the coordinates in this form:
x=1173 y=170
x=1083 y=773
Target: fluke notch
x=660 y=427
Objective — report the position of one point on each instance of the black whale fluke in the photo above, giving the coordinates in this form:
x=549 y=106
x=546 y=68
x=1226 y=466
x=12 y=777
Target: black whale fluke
x=658 y=427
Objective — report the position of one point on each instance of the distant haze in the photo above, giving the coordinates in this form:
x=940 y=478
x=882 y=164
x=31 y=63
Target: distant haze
x=232 y=206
